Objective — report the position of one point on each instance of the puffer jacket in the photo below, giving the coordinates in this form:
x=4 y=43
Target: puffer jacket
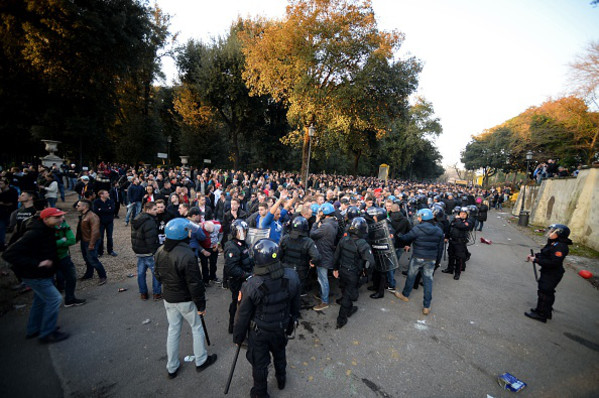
x=482 y=213
x=426 y=239
x=37 y=244
x=144 y=234
x=178 y=272
x=324 y=237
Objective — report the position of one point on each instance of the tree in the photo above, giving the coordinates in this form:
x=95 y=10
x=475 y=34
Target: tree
x=306 y=59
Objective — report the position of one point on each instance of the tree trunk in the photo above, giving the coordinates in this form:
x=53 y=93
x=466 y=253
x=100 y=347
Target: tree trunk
x=357 y=156
x=235 y=148
x=305 y=155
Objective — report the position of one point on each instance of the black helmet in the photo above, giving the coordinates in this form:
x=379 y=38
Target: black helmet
x=456 y=210
x=265 y=252
x=438 y=212
x=561 y=230
x=359 y=227
x=473 y=209
x=352 y=212
x=464 y=209
x=378 y=212
x=300 y=224
x=239 y=229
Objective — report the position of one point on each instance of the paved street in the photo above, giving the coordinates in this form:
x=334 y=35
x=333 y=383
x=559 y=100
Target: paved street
x=476 y=331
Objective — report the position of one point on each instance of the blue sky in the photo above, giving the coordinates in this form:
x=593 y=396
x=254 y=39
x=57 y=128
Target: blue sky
x=484 y=61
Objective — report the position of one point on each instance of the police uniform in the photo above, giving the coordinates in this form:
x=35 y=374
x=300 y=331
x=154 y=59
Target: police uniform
x=457 y=252
x=239 y=266
x=551 y=259
x=296 y=252
x=353 y=254
x=268 y=304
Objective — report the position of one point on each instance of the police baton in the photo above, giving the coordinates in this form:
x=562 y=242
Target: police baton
x=205 y=330
x=232 y=369
x=444 y=250
x=534 y=267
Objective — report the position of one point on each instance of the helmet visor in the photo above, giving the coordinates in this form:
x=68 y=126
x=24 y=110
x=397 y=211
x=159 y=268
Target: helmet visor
x=553 y=230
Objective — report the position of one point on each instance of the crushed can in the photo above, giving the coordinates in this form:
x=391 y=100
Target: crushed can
x=510 y=382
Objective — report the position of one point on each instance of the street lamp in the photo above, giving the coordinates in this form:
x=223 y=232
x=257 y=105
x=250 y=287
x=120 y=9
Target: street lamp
x=311 y=133
x=169 y=139
x=523 y=216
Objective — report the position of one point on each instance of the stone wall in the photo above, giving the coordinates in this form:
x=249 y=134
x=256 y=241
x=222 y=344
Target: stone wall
x=570 y=201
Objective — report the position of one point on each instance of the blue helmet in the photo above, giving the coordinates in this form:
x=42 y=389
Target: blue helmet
x=327 y=209
x=391 y=197
x=315 y=207
x=177 y=229
x=425 y=214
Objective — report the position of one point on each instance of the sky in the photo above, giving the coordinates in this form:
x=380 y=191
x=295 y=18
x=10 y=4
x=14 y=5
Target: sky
x=485 y=61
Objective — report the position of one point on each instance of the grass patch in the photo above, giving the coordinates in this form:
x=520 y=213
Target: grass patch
x=583 y=251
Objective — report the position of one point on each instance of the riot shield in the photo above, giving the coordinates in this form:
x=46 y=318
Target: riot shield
x=382 y=247
x=255 y=234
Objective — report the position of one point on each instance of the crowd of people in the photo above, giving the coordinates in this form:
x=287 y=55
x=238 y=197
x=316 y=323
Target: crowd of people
x=264 y=223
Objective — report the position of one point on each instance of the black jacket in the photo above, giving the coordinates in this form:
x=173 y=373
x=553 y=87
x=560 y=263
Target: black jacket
x=552 y=255
x=104 y=210
x=482 y=213
x=400 y=223
x=324 y=237
x=144 y=234
x=298 y=251
x=37 y=244
x=177 y=269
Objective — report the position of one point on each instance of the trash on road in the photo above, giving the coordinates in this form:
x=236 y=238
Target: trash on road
x=539 y=230
x=585 y=274
x=146 y=322
x=486 y=241
x=19 y=306
x=122 y=289
x=189 y=358
x=510 y=382
x=130 y=275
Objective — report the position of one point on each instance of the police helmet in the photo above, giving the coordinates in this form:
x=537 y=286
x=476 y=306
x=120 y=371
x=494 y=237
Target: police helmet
x=327 y=209
x=425 y=214
x=441 y=203
x=473 y=209
x=300 y=224
x=438 y=212
x=465 y=209
x=359 y=227
x=239 y=229
x=352 y=212
x=378 y=212
x=391 y=197
x=265 y=252
x=177 y=229
x=561 y=230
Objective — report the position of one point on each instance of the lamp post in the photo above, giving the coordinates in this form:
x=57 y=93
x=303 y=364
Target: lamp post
x=311 y=132
x=169 y=139
x=523 y=216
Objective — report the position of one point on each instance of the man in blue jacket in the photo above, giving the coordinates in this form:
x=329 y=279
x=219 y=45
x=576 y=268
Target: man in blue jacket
x=135 y=195
x=427 y=241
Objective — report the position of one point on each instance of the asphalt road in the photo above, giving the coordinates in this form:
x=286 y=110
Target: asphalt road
x=475 y=332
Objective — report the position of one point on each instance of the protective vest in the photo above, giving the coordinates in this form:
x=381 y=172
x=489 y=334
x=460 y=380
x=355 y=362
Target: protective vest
x=350 y=258
x=295 y=253
x=272 y=312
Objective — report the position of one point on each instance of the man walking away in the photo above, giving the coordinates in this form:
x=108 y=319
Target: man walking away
x=144 y=241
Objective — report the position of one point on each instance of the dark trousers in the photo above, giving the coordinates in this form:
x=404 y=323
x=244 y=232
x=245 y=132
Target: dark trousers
x=91 y=260
x=546 y=291
x=260 y=345
x=378 y=280
x=234 y=287
x=456 y=257
x=106 y=228
x=208 y=273
x=348 y=282
x=66 y=278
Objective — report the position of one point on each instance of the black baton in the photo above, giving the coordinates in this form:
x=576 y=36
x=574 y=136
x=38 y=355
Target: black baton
x=534 y=267
x=444 y=250
x=232 y=369
x=205 y=330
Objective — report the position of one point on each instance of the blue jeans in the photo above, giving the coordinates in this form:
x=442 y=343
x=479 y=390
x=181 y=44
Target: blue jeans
x=391 y=274
x=175 y=313
x=44 y=310
x=52 y=202
x=109 y=243
x=427 y=267
x=67 y=276
x=135 y=208
x=61 y=190
x=323 y=280
x=143 y=263
x=91 y=260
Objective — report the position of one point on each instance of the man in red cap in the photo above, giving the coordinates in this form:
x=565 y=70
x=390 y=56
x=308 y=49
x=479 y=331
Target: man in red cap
x=34 y=259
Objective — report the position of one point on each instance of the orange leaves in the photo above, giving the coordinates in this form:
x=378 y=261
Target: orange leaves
x=193 y=113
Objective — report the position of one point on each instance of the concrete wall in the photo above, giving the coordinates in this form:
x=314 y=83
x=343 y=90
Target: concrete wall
x=570 y=201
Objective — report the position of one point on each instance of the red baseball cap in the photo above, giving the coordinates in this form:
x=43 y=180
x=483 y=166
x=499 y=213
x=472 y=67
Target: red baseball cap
x=51 y=212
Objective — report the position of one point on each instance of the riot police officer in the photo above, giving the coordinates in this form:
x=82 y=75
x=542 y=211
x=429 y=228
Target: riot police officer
x=352 y=256
x=238 y=264
x=299 y=252
x=380 y=236
x=458 y=237
x=268 y=309
x=551 y=259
